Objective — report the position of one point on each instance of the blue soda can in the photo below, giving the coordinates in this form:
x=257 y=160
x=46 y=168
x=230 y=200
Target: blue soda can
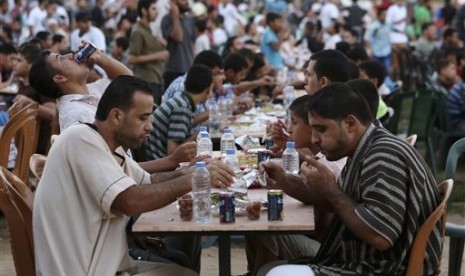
x=84 y=53
x=275 y=205
x=269 y=143
x=227 y=207
x=263 y=155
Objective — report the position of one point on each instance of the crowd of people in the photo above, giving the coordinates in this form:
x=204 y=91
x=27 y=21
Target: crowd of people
x=129 y=115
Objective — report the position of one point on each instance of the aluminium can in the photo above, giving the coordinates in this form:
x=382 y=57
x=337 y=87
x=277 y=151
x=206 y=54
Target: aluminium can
x=84 y=53
x=275 y=205
x=227 y=207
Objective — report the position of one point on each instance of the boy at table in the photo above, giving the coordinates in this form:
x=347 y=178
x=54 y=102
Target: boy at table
x=372 y=230
x=90 y=187
x=263 y=249
x=173 y=120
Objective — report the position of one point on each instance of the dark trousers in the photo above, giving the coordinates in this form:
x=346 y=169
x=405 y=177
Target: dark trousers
x=169 y=77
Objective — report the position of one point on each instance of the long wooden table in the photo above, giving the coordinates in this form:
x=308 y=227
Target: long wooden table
x=298 y=218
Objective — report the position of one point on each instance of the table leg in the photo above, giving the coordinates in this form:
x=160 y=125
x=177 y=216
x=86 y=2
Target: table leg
x=224 y=254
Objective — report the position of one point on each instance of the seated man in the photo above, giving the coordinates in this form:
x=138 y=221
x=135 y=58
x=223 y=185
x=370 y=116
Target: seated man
x=173 y=120
x=382 y=197
x=455 y=102
x=89 y=188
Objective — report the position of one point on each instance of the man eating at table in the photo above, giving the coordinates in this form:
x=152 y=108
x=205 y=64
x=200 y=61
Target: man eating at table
x=382 y=197
x=90 y=187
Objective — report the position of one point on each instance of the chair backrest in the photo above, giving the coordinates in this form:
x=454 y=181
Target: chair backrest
x=36 y=164
x=411 y=140
x=16 y=201
x=457 y=149
x=417 y=251
x=23 y=127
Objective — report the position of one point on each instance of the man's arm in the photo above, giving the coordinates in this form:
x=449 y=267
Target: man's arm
x=143 y=198
x=162 y=56
x=200 y=118
x=183 y=153
x=112 y=67
x=322 y=183
x=249 y=85
x=177 y=33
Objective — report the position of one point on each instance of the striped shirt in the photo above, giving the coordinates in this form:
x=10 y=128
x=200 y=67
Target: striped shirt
x=172 y=120
x=455 y=103
x=396 y=193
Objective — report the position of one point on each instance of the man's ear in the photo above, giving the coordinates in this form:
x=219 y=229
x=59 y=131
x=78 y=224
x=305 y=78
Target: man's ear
x=324 y=81
x=115 y=115
x=351 y=123
x=59 y=79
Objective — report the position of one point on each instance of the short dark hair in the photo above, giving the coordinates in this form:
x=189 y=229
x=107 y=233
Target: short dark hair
x=8 y=49
x=247 y=53
x=83 y=16
x=43 y=35
x=41 y=77
x=448 y=32
x=57 y=38
x=442 y=63
x=368 y=90
x=426 y=25
x=354 y=71
x=122 y=42
x=348 y=102
x=120 y=94
x=235 y=62
x=209 y=58
x=299 y=107
x=271 y=16
x=201 y=25
x=198 y=79
x=374 y=69
x=30 y=51
x=331 y=64
x=144 y=4
x=343 y=47
x=357 y=53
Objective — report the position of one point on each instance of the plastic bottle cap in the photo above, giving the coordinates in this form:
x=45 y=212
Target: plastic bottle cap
x=200 y=165
x=204 y=135
x=203 y=128
x=230 y=151
x=290 y=145
x=227 y=130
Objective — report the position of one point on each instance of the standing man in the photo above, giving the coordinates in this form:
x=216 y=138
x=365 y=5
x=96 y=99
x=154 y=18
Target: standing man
x=85 y=31
x=146 y=53
x=178 y=30
x=397 y=16
x=377 y=37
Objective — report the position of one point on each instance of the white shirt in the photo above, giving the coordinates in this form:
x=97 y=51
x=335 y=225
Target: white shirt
x=332 y=41
x=75 y=231
x=329 y=13
x=202 y=43
x=232 y=17
x=219 y=37
x=396 y=13
x=75 y=108
x=35 y=19
x=94 y=35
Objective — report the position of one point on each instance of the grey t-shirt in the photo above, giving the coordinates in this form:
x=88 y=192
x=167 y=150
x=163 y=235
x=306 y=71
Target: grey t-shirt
x=181 y=53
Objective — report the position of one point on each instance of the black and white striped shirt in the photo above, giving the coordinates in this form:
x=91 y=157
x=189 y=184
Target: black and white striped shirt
x=396 y=193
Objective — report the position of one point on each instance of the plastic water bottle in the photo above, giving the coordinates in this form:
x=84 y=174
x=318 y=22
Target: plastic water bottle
x=291 y=159
x=238 y=186
x=230 y=106
x=202 y=129
x=201 y=193
x=227 y=142
x=289 y=97
x=205 y=145
x=213 y=118
x=223 y=111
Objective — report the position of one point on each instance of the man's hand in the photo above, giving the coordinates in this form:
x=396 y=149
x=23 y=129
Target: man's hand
x=185 y=152
x=276 y=176
x=174 y=9
x=319 y=179
x=163 y=56
x=221 y=176
x=278 y=132
x=266 y=81
x=20 y=101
